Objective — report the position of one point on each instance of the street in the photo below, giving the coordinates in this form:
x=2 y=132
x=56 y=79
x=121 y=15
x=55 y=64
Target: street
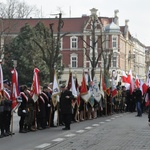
x=121 y=131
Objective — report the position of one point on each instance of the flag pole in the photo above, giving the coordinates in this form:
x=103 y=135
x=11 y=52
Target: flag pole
x=12 y=116
x=85 y=111
x=78 y=114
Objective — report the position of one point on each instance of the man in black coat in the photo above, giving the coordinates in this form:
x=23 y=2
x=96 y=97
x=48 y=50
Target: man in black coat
x=138 y=95
x=66 y=99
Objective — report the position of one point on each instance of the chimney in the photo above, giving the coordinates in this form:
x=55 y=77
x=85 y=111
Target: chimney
x=116 y=18
x=126 y=29
x=126 y=22
x=93 y=11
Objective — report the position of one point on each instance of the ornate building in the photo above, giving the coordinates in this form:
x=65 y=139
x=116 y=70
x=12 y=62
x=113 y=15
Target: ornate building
x=88 y=37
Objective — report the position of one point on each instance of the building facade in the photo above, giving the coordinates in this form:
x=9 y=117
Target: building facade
x=87 y=38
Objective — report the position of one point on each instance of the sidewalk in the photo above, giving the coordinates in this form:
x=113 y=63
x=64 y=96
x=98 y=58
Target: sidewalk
x=119 y=132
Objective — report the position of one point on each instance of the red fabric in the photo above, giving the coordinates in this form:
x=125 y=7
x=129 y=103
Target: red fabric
x=77 y=88
x=144 y=88
x=124 y=77
x=83 y=89
x=114 y=92
x=35 y=89
x=15 y=88
x=130 y=81
x=137 y=82
x=108 y=91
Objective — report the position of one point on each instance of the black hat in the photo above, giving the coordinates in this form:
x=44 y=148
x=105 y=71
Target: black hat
x=6 y=81
x=63 y=86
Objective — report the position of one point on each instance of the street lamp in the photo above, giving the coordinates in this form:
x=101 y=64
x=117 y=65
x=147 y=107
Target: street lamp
x=14 y=63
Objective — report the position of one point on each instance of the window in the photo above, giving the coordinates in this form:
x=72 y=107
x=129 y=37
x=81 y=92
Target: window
x=91 y=44
x=114 y=42
x=74 y=61
x=74 y=42
x=114 y=61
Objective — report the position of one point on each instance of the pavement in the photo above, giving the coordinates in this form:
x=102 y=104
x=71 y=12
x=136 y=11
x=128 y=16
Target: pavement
x=117 y=132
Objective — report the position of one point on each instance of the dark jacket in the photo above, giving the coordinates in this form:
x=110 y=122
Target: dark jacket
x=66 y=103
x=138 y=95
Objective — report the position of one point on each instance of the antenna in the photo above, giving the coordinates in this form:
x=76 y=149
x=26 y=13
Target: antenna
x=41 y=12
x=70 y=11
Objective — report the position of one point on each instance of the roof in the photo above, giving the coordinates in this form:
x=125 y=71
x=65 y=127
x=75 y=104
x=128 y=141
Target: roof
x=72 y=25
x=112 y=28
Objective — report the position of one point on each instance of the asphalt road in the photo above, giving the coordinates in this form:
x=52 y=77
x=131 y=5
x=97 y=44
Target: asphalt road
x=117 y=132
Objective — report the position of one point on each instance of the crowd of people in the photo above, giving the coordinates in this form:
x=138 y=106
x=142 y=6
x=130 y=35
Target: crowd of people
x=42 y=114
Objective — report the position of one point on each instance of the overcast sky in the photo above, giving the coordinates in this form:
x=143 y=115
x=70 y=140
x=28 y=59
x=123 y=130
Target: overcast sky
x=137 y=11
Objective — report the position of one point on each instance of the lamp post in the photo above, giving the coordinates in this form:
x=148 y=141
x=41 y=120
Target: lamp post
x=14 y=63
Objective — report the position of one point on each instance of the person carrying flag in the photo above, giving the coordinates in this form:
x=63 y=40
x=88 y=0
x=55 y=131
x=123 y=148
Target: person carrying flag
x=1 y=115
x=7 y=107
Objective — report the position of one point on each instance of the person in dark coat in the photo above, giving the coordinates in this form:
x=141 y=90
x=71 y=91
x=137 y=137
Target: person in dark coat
x=22 y=110
x=7 y=107
x=47 y=98
x=66 y=99
x=1 y=115
x=138 y=95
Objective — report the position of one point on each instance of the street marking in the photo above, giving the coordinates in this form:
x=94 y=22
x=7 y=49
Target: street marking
x=102 y=122
x=88 y=128
x=80 y=131
x=58 y=140
x=42 y=146
x=108 y=120
x=112 y=118
x=95 y=125
x=116 y=116
x=70 y=135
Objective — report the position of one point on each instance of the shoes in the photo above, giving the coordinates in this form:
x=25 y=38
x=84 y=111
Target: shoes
x=22 y=131
x=6 y=134
x=2 y=135
x=10 y=133
x=40 y=128
x=65 y=128
x=138 y=116
x=32 y=129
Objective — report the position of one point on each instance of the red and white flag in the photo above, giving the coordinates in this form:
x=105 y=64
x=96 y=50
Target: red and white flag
x=78 y=93
x=114 y=89
x=130 y=81
x=14 y=88
x=35 y=88
x=137 y=82
x=143 y=87
x=83 y=89
x=124 y=77
x=85 y=94
x=56 y=90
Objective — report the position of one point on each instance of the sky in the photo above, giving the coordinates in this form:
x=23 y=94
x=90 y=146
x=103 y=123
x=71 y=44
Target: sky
x=136 y=11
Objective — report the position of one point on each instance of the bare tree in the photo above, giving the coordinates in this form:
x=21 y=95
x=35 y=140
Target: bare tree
x=98 y=49
x=16 y=9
